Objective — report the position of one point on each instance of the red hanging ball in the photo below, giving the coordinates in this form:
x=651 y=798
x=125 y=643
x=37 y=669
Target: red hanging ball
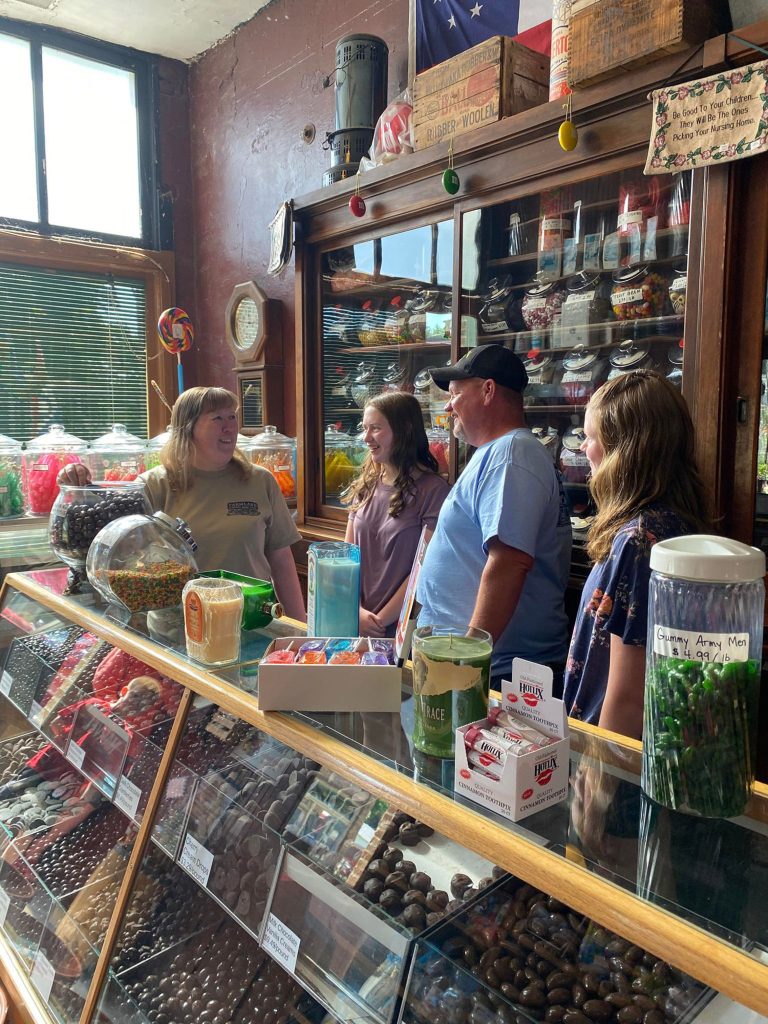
x=357 y=206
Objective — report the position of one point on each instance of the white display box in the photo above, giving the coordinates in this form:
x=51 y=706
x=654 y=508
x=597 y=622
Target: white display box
x=327 y=687
x=527 y=782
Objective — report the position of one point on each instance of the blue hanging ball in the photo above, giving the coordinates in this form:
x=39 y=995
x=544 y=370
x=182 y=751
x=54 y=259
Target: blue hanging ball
x=451 y=181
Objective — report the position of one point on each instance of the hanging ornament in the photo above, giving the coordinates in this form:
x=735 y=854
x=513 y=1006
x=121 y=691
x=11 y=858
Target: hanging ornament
x=567 y=135
x=451 y=180
x=356 y=202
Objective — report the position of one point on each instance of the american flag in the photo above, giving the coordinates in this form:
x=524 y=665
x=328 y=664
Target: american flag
x=447 y=27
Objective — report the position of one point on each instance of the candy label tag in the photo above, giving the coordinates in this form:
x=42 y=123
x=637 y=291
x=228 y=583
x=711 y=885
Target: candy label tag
x=196 y=860
x=127 y=797
x=705 y=647
x=75 y=755
x=281 y=943
x=42 y=975
x=6 y=682
x=5 y=902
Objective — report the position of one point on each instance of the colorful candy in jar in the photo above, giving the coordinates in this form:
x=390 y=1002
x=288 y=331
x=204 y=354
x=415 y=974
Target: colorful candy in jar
x=277 y=453
x=45 y=456
x=638 y=293
x=11 y=497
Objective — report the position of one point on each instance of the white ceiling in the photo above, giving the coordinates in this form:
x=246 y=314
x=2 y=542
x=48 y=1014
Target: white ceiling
x=174 y=28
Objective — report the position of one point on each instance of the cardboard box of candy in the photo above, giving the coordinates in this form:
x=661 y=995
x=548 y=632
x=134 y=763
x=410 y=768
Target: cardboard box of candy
x=516 y=761
x=299 y=673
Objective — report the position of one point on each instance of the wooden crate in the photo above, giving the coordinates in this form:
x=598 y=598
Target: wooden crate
x=610 y=36
x=491 y=80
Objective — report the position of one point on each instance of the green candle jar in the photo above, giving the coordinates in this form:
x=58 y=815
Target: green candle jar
x=451 y=679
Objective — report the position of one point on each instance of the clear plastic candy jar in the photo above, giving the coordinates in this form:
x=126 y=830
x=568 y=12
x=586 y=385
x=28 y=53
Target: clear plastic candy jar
x=142 y=562
x=343 y=455
x=79 y=513
x=422 y=388
x=41 y=462
x=540 y=367
x=277 y=453
x=574 y=464
x=439 y=445
x=587 y=303
x=153 y=448
x=630 y=355
x=584 y=370
x=501 y=308
x=706 y=600
x=117 y=455
x=11 y=495
x=396 y=378
x=541 y=304
x=639 y=292
x=363 y=385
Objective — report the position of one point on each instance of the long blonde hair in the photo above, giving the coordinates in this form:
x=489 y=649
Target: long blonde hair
x=646 y=432
x=177 y=455
x=410 y=451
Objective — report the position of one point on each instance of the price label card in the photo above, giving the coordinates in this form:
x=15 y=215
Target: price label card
x=281 y=943
x=42 y=975
x=35 y=713
x=127 y=797
x=75 y=755
x=5 y=902
x=196 y=860
x=6 y=682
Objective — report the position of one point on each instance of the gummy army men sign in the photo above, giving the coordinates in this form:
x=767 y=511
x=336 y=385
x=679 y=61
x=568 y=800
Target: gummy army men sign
x=713 y=120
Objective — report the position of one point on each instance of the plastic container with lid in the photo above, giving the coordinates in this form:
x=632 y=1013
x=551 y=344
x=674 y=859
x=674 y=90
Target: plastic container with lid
x=639 y=292
x=44 y=457
x=584 y=370
x=541 y=304
x=702 y=674
x=80 y=512
x=154 y=446
x=11 y=494
x=541 y=368
x=142 y=562
x=630 y=355
x=117 y=455
x=277 y=453
x=343 y=456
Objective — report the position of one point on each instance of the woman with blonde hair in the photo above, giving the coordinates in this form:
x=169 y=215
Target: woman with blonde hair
x=645 y=484
x=235 y=510
x=395 y=495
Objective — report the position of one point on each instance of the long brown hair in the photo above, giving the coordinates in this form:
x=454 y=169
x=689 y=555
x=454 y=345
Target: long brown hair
x=177 y=455
x=410 y=451
x=645 y=429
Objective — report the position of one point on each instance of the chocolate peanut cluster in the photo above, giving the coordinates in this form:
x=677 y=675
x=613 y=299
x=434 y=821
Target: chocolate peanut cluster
x=518 y=955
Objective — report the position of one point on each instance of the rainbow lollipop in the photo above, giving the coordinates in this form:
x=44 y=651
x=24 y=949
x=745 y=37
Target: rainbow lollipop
x=176 y=336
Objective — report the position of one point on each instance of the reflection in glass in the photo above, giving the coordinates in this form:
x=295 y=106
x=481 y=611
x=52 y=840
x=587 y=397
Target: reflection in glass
x=18 y=178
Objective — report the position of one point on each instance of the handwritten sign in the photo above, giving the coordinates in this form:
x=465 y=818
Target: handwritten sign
x=713 y=120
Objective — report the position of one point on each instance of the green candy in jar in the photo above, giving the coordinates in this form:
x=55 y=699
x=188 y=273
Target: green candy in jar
x=11 y=494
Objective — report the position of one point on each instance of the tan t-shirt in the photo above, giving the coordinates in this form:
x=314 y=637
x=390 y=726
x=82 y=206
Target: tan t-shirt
x=235 y=522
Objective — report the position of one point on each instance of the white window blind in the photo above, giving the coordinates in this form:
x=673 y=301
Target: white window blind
x=72 y=351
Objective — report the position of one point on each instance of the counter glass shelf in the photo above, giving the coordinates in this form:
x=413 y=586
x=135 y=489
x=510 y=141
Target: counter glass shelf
x=277 y=835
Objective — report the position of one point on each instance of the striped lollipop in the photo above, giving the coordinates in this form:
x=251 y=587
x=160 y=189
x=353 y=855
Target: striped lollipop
x=176 y=336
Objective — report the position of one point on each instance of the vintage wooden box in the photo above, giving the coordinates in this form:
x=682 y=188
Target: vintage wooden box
x=610 y=36
x=491 y=80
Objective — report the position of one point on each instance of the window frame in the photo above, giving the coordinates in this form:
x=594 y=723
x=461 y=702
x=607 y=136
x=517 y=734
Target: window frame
x=155 y=269
x=144 y=67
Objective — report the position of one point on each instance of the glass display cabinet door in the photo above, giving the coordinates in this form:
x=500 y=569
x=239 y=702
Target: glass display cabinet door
x=386 y=318
x=761 y=468
x=584 y=282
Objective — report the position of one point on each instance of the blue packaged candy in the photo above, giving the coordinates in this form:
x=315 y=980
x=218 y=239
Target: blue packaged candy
x=374 y=658
x=334 y=645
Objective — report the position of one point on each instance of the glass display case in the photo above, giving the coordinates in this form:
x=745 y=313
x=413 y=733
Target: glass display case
x=315 y=868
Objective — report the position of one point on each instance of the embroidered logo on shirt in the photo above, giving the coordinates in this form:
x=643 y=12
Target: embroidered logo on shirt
x=243 y=508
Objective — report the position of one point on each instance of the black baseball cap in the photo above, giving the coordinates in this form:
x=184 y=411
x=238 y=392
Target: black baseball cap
x=488 y=362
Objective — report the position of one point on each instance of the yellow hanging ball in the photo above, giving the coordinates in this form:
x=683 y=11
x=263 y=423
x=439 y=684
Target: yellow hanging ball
x=567 y=136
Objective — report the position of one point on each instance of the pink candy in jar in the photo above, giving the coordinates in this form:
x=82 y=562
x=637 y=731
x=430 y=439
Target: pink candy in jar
x=541 y=304
x=45 y=456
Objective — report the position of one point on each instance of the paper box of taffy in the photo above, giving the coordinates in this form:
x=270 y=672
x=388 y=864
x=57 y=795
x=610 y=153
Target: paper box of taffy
x=299 y=673
x=515 y=761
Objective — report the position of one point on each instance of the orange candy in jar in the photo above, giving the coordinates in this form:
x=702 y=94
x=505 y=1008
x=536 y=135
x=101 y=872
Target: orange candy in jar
x=277 y=453
x=40 y=465
x=117 y=455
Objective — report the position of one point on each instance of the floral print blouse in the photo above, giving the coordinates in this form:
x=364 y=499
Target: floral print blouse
x=614 y=601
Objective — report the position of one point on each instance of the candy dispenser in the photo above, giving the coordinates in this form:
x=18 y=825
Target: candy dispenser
x=11 y=498
x=142 y=561
x=702 y=675
x=117 y=455
x=41 y=462
x=277 y=453
x=154 y=446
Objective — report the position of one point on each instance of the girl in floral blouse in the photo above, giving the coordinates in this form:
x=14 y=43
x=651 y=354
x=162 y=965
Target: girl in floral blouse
x=639 y=442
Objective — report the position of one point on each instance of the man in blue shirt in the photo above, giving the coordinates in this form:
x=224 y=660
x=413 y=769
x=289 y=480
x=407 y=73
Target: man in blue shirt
x=500 y=555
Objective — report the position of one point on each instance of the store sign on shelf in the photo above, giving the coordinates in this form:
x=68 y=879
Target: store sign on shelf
x=713 y=120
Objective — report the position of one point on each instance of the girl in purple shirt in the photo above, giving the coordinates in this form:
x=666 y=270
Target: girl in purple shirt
x=395 y=495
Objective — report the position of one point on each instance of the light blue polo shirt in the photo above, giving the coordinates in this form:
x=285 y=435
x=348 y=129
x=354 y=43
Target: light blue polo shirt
x=510 y=490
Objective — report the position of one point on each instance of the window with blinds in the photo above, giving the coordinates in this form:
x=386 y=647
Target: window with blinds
x=72 y=350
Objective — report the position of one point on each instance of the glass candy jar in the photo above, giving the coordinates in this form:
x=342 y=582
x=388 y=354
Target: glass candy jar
x=363 y=384
x=277 y=453
x=584 y=370
x=638 y=293
x=341 y=452
x=541 y=304
x=142 y=562
x=439 y=445
x=11 y=497
x=41 y=462
x=154 y=446
x=540 y=367
x=702 y=674
x=629 y=355
x=574 y=464
x=79 y=513
x=675 y=360
x=117 y=455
